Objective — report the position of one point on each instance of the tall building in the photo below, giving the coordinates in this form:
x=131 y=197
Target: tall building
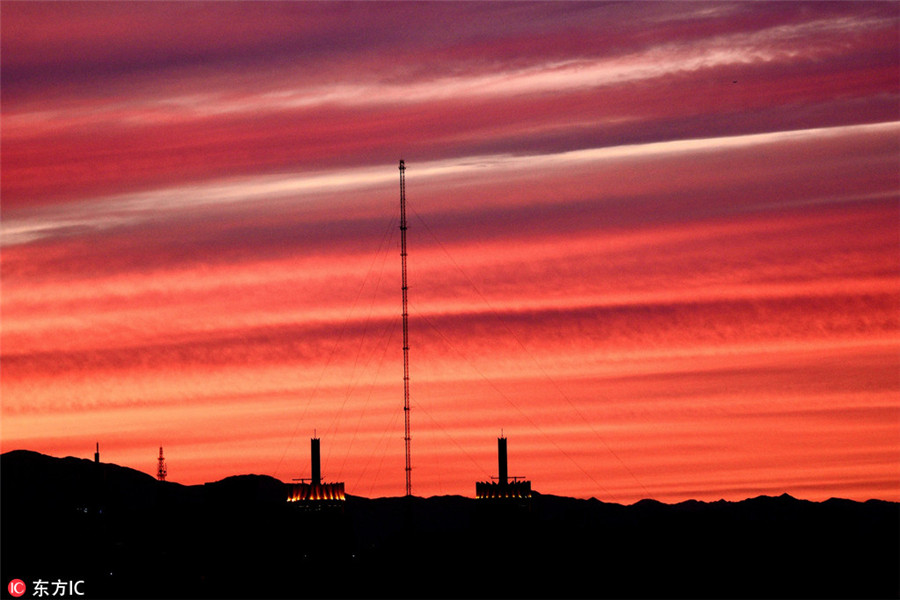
x=312 y=493
x=501 y=487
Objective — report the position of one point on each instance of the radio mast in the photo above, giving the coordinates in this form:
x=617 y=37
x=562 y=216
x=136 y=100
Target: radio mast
x=405 y=324
x=161 y=469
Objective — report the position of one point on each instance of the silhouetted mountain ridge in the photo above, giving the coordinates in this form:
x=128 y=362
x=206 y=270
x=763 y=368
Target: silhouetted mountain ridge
x=128 y=535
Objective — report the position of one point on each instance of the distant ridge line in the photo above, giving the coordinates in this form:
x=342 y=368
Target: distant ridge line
x=16 y=458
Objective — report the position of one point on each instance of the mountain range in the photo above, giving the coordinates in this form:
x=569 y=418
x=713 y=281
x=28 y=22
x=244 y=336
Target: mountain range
x=126 y=535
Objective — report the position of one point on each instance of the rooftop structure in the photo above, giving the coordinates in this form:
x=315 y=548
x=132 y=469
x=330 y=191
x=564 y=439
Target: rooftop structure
x=312 y=493
x=501 y=487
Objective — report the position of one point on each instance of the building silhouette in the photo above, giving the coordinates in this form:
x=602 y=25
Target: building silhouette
x=501 y=488
x=312 y=492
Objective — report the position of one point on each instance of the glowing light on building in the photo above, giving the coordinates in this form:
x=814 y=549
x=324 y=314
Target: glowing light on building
x=311 y=492
x=314 y=492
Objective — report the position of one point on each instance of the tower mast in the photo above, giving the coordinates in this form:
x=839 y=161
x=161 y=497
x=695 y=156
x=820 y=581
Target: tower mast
x=405 y=324
x=161 y=469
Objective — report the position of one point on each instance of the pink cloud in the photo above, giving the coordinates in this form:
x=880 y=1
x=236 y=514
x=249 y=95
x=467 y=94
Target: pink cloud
x=646 y=241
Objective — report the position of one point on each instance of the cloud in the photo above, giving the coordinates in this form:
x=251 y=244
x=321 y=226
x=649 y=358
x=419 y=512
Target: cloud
x=180 y=104
x=342 y=187
x=645 y=240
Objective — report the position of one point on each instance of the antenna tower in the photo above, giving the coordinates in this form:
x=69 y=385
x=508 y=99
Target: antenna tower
x=161 y=466
x=405 y=324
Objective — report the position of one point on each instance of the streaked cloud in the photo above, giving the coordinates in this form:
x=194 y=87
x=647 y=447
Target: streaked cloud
x=655 y=244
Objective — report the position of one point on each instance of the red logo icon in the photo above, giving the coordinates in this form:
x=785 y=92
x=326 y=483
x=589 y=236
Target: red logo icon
x=16 y=588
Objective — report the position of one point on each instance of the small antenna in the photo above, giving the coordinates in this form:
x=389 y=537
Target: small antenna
x=161 y=470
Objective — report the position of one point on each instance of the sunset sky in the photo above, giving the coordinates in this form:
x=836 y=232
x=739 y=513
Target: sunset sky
x=655 y=245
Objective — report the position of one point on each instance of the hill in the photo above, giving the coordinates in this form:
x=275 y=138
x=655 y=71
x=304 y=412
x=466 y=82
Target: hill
x=127 y=535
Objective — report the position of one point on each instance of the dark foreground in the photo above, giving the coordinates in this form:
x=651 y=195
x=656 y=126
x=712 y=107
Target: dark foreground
x=125 y=535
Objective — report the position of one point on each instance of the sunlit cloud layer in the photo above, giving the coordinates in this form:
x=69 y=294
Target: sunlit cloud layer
x=655 y=244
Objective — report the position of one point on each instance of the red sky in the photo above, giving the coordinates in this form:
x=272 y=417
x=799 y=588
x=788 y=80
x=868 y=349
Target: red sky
x=656 y=245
